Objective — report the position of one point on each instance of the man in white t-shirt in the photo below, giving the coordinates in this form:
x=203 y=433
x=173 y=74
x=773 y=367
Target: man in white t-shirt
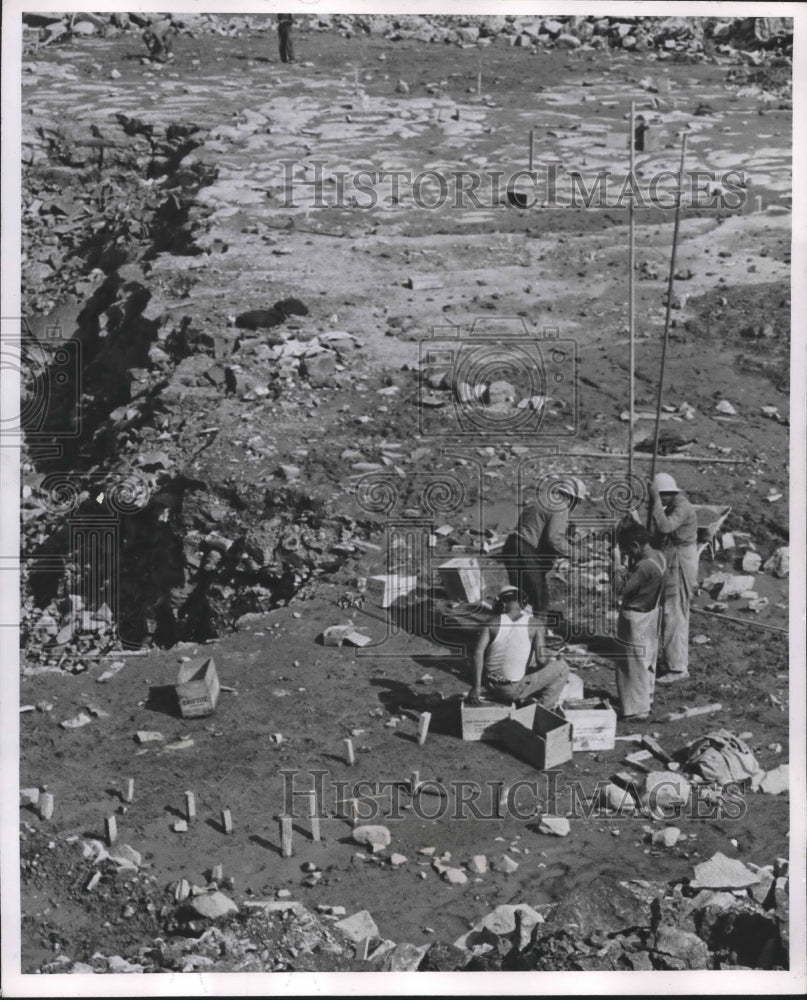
x=503 y=652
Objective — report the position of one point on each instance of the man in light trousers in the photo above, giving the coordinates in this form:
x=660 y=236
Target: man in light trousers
x=674 y=524
x=637 y=626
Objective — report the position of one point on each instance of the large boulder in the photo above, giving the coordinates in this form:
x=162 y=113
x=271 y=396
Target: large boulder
x=678 y=949
x=602 y=904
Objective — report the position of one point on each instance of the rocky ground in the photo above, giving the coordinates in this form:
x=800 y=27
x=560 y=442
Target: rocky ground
x=234 y=367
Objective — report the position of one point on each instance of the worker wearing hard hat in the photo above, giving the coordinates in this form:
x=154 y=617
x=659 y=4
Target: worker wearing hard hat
x=674 y=524
x=539 y=538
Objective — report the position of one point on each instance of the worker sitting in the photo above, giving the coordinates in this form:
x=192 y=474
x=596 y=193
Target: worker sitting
x=503 y=652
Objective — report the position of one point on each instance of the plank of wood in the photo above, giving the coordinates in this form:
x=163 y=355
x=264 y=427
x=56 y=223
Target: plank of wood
x=690 y=713
x=656 y=749
x=423 y=282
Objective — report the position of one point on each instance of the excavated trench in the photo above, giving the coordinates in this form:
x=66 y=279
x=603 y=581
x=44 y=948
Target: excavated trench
x=186 y=556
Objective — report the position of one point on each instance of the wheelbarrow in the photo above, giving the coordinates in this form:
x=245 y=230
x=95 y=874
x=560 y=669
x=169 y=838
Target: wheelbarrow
x=710 y=519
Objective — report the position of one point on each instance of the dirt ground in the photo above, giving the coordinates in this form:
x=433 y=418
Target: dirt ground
x=551 y=268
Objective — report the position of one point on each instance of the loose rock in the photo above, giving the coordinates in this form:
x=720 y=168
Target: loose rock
x=375 y=837
x=358 y=927
x=720 y=872
x=455 y=876
x=504 y=864
x=556 y=826
x=212 y=905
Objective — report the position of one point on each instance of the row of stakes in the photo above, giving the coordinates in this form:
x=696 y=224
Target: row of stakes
x=286 y=849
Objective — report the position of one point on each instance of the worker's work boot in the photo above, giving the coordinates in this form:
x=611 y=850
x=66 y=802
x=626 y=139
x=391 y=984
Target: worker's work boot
x=673 y=676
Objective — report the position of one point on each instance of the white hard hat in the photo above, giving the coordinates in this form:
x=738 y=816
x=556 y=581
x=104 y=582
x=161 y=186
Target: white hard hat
x=665 y=483
x=573 y=487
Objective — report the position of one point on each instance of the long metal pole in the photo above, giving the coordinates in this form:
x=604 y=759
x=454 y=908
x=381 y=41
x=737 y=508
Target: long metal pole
x=679 y=193
x=631 y=303
x=741 y=621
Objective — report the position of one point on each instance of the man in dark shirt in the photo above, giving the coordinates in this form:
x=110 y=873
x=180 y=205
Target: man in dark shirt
x=637 y=625
x=540 y=536
x=284 y=25
x=674 y=524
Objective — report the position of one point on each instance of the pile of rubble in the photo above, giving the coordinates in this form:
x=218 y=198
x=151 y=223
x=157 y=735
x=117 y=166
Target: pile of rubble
x=666 y=36
x=725 y=915
x=98 y=197
x=117 y=361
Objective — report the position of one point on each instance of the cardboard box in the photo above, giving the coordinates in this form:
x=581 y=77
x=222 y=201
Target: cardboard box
x=462 y=579
x=545 y=742
x=593 y=724
x=484 y=722
x=197 y=688
x=386 y=590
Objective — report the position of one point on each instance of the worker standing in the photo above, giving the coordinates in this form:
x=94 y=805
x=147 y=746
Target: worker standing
x=674 y=525
x=637 y=625
x=284 y=26
x=539 y=538
x=159 y=39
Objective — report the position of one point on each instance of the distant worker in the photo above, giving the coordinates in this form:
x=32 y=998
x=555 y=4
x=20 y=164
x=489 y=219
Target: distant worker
x=284 y=26
x=637 y=624
x=674 y=526
x=503 y=652
x=540 y=536
x=159 y=39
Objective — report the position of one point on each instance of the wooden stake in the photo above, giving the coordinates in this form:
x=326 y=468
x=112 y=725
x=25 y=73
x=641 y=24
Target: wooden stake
x=111 y=830
x=190 y=807
x=670 y=280
x=128 y=790
x=501 y=805
x=46 y=803
x=532 y=149
x=354 y=813
x=414 y=783
x=631 y=291
x=286 y=848
x=217 y=873
x=350 y=756
x=95 y=878
x=227 y=821
x=423 y=727
x=312 y=812
x=363 y=949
